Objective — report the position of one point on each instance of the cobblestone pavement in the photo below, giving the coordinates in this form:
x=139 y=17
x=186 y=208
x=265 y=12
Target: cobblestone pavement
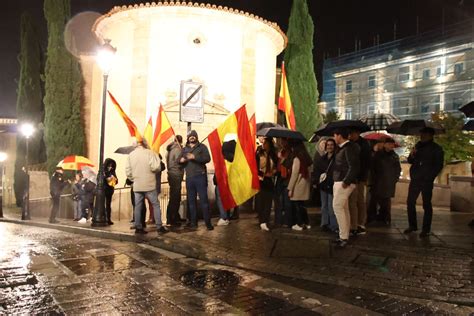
x=383 y=271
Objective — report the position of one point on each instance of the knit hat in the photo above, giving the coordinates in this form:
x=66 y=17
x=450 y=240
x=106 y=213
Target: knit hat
x=193 y=133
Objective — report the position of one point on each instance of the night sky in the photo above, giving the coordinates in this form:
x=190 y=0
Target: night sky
x=337 y=24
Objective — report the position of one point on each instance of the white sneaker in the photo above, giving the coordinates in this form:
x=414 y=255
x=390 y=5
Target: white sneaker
x=82 y=220
x=296 y=227
x=307 y=226
x=264 y=227
x=222 y=222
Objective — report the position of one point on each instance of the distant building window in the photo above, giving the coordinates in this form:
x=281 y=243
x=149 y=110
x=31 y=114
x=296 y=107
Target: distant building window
x=426 y=74
x=458 y=68
x=371 y=108
x=401 y=107
x=404 y=74
x=457 y=103
x=372 y=82
x=348 y=113
x=438 y=72
x=430 y=104
x=348 y=86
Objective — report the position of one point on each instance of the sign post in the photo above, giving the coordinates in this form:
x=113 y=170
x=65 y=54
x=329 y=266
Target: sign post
x=191 y=103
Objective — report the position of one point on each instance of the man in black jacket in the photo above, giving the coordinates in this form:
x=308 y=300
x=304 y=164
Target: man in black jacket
x=346 y=171
x=357 y=205
x=56 y=186
x=426 y=161
x=194 y=158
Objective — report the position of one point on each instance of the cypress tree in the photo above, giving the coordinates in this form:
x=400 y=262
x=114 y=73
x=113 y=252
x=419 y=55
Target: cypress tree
x=300 y=69
x=29 y=106
x=64 y=131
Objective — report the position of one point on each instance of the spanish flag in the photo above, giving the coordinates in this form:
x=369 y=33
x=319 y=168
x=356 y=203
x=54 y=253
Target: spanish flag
x=253 y=129
x=237 y=177
x=284 y=101
x=132 y=128
x=163 y=130
x=148 y=132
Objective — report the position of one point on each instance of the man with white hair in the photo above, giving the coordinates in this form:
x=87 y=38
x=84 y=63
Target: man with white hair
x=142 y=164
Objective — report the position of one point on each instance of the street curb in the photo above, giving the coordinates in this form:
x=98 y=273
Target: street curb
x=165 y=242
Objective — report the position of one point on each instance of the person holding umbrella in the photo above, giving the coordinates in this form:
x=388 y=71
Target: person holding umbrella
x=266 y=163
x=426 y=161
x=111 y=181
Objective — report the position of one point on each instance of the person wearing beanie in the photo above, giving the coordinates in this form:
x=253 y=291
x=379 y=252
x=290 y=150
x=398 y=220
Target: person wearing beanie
x=194 y=158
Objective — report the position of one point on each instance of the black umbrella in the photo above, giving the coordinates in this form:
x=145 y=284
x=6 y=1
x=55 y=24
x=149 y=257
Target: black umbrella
x=329 y=128
x=280 y=132
x=413 y=127
x=468 y=109
x=263 y=125
x=124 y=150
x=378 y=121
x=469 y=126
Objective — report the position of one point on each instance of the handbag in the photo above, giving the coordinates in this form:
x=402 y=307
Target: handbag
x=324 y=175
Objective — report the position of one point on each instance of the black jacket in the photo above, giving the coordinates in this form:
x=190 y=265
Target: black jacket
x=364 y=157
x=427 y=162
x=57 y=184
x=323 y=164
x=385 y=173
x=201 y=158
x=347 y=163
x=108 y=174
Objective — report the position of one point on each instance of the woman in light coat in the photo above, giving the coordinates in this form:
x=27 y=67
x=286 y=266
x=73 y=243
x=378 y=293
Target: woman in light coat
x=299 y=186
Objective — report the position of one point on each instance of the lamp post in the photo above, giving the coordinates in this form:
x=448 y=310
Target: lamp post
x=105 y=57
x=27 y=130
x=3 y=157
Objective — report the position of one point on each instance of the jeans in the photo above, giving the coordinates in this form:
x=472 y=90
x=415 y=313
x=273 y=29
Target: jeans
x=152 y=196
x=327 y=211
x=414 y=190
x=222 y=212
x=195 y=186
x=300 y=214
x=357 y=206
x=55 y=207
x=263 y=200
x=77 y=209
x=175 y=198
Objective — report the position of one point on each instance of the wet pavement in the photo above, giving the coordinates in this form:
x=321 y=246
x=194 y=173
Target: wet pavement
x=281 y=272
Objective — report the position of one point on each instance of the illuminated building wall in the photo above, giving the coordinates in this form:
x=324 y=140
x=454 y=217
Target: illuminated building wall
x=233 y=53
x=410 y=78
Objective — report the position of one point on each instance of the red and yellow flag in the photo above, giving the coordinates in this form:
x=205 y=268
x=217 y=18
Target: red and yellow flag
x=284 y=101
x=132 y=128
x=253 y=129
x=148 y=132
x=163 y=130
x=237 y=180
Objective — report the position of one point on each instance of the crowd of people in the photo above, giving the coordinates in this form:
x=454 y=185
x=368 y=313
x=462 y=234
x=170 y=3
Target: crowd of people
x=355 y=179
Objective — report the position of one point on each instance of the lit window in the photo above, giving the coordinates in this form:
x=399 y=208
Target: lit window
x=372 y=82
x=348 y=86
x=404 y=74
x=458 y=68
x=426 y=74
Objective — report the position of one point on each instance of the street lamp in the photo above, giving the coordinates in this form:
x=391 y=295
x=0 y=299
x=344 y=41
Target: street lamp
x=3 y=157
x=105 y=58
x=27 y=130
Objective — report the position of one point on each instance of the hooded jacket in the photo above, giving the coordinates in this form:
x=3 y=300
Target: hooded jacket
x=172 y=159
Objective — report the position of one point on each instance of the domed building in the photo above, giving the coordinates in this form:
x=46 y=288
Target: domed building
x=159 y=45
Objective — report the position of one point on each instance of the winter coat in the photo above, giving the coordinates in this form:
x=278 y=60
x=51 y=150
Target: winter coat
x=173 y=151
x=385 y=173
x=364 y=158
x=347 y=164
x=197 y=166
x=108 y=174
x=320 y=167
x=299 y=186
x=142 y=163
x=427 y=162
x=77 y=191
x=57 y=184
x=88 y=187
